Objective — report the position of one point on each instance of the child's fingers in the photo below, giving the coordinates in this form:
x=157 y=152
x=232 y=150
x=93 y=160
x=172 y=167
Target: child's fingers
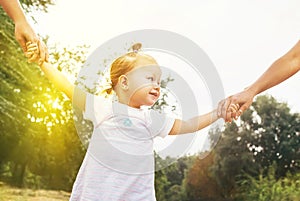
x=28 y=43
x=32 y=47
x=32 y=52
x=29 y=54
x=33 y=58
x=226 y=111
x=234 y=107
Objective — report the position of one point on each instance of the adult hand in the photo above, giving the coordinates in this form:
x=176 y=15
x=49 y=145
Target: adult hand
x=24 y=33
x=241 y=101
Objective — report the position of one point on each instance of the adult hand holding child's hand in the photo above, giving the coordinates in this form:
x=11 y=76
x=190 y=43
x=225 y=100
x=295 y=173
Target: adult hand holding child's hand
x=228 y=110
x=33 y=53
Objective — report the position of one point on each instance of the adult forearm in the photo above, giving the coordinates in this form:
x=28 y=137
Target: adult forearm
x=13 y=10
x=280 y=70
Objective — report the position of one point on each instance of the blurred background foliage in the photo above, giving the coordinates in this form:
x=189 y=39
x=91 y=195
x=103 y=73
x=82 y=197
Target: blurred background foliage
x=39 y=146
x=257 y=157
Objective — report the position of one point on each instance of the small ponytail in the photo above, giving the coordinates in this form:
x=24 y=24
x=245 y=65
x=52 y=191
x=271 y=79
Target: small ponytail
x=136 y=47
x=107 y=87
x=108 y=91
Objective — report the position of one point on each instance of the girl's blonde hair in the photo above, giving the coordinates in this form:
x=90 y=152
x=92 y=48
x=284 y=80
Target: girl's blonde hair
x=124 y=64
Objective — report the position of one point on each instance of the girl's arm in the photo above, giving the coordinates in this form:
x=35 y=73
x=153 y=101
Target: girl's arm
x=56 y=77
x=64 y=85
x=194 y=124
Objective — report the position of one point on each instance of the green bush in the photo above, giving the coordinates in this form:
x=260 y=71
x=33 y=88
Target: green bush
x=268 y=188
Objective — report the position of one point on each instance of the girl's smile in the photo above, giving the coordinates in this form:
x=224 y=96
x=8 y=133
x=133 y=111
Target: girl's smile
x=143 y=86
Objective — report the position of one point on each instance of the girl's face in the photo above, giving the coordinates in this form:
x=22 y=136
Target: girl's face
x=144 y=85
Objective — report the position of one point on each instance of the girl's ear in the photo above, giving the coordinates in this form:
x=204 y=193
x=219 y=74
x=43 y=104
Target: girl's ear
x=123 y=80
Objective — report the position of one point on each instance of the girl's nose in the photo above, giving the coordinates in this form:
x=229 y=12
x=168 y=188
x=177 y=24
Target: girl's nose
x=156 y=86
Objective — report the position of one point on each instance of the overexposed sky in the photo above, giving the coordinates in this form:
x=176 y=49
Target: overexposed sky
x=242 y=37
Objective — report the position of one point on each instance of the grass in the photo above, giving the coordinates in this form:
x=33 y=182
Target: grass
x=8 y=193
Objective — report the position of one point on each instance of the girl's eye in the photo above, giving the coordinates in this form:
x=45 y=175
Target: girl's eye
x=150 y=78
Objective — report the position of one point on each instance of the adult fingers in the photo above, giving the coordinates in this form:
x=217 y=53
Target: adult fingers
x=32 y=52
x=47 y=55
x=243 y=107
x=33 y=58
x=221 y=112
x=44 y=55
x=31 y=49
x=22 y=43
x=233 y=107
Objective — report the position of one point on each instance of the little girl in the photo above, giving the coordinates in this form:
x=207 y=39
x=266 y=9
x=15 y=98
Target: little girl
x=119 y=163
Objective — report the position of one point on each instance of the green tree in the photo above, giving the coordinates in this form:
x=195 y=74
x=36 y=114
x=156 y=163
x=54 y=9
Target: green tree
x=170 y=176
x=59 y=151
x=161 y=181
x=266 y=187
x=17 y=81
x=268 y=133
x=277 y=136
x=199 y=182
x=39 y=145
x=232 y=157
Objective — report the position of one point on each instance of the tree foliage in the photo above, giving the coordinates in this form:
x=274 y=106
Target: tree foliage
x=39 y=146
x=257 y=158
x=169 y=181
x=268 y=134
x=199 y=181
x=41 y=5
x=266 y=187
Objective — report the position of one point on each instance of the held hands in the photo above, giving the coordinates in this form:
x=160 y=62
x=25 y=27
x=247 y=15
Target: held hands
x=33 y=53
x=233 y=106
x=25 y=34
x=227 y=110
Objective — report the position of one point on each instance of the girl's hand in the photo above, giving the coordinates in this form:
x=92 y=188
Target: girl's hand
x=32 y=52
x=231 y=110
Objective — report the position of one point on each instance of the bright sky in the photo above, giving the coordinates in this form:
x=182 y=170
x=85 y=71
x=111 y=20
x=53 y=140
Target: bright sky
x=242 y=37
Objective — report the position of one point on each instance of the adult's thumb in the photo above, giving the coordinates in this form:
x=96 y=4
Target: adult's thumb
x=22 y=43
x=244 y=107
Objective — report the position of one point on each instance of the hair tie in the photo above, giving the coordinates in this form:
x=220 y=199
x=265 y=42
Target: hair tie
x=136 y=47
x=106 y=83
x=107 y=88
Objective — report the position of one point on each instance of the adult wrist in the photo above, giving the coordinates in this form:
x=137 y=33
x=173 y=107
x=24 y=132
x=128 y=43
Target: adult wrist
x=252 y=90
x=20 y=20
